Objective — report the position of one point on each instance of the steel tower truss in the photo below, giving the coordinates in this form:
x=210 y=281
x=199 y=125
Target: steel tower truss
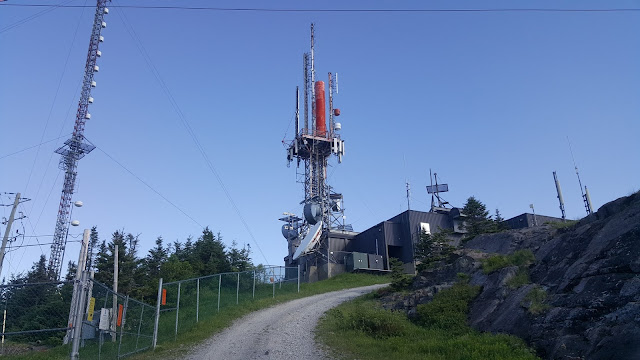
x=77 y=146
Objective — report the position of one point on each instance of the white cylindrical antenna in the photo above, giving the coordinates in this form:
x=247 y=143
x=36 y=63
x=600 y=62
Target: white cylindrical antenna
x=90 y=100
x=98 y=53
x=336 y=83
x=96 y=68
x=559 y=191
x=588 y=198
x=106 y=10
x=93 y=83
x=104 y=24
x=101 y=38
x=87 y=116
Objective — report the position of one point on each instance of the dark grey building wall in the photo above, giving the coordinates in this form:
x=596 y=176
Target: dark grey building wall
x=526 y=220
x=397 y=236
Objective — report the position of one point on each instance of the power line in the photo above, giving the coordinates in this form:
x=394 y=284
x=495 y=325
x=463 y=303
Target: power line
x=209 y=8
x=31 y=17
x=185 y=123
x=149 y=186
x=31 y=147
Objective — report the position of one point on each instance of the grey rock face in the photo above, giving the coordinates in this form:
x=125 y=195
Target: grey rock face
x=591 y=274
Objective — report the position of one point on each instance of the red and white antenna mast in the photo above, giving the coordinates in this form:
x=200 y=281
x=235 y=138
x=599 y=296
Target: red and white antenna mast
x=77 y=146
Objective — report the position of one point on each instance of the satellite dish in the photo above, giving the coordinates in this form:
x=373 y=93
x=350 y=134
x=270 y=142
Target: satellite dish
x=290 y=231
x=78 y=203
x=312 y=213
x=75 y=223
x=309 y=241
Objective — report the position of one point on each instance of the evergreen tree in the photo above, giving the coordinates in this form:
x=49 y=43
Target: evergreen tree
x=239 y=258
x=477 y=220
x=432 y=248
x=93 y=247
x=209 y=256
x=500 y=225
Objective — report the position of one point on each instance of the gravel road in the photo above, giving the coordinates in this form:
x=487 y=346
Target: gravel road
x=284 y=331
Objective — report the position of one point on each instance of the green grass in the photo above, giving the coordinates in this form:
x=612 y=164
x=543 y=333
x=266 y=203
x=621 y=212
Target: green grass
x=520 y=278
x=562 y=224
x=361 y=329
x=521 y=258
x=536 y=300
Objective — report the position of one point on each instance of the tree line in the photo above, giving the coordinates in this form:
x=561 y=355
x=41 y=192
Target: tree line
x=33 y=301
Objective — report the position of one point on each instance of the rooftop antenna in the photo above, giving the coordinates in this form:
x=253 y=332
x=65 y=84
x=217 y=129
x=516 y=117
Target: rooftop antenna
x=585 y=193
x=435 y=191
x=408 y=195
x=560 y=199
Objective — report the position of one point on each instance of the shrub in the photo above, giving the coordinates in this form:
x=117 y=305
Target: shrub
x=520 y=278
x=536 y=300
x=399 y=280
x=521 y=258
x=371 y=320
x=448 y=309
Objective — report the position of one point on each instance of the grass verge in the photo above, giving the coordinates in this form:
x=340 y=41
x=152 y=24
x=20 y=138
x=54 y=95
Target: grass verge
x=361 y=329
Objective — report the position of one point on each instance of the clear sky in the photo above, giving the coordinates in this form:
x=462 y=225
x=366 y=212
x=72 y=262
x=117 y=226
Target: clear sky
x=485 y=99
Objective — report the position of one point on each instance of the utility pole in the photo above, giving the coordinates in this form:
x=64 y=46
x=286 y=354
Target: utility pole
x=7 y=231
x=114 y=314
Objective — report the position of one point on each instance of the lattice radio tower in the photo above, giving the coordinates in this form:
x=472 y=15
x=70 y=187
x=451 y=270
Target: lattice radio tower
x=315 y=143
x=77 y=146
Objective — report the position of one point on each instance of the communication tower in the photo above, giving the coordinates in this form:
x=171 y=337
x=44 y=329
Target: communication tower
x=313 y=145
x=77 y=146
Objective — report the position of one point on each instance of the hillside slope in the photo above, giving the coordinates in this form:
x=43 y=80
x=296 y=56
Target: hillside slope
x=582 y=299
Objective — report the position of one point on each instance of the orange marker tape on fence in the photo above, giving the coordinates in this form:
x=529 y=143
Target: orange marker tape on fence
x=120 y=308
x=164 y=296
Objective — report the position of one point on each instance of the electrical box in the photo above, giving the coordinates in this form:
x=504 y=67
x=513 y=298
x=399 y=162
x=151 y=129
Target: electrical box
x=357 y=260
x=375 y=262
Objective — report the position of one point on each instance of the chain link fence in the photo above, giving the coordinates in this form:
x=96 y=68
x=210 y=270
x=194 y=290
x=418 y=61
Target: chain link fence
x=98 y=323
x=182 y=304
x=34 y=315
x=113 y=325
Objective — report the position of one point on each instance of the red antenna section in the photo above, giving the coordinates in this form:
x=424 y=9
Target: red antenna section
x=321 y=123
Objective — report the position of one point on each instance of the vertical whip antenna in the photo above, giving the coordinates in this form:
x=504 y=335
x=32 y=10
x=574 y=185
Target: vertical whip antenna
x=585 y=193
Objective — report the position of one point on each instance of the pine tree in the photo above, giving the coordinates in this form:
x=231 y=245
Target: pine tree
x=477 y=220
x=500 y=225
x=93 y=244
x=239 y=258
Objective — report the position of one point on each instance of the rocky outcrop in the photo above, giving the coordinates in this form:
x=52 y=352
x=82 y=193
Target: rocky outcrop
x=589 y=273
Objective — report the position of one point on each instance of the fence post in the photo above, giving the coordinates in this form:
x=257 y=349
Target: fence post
x=123 y=320
x=298 y=277
x=139 y=326
x=254 y=284
x=219 y=286
x=238 y=290
x=273 y=281
x=197 y=299
x=155 y=326
x=77 y=324
x=177 y=310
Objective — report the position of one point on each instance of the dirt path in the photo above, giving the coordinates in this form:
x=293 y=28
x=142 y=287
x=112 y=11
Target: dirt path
x=284 y=331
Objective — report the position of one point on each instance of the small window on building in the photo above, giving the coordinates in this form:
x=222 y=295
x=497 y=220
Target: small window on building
x=424 y=227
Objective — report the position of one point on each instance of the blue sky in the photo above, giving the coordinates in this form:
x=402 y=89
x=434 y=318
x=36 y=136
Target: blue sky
x=485 y=99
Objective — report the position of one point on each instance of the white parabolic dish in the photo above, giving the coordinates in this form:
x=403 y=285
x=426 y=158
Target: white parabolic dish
x=313 y=236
